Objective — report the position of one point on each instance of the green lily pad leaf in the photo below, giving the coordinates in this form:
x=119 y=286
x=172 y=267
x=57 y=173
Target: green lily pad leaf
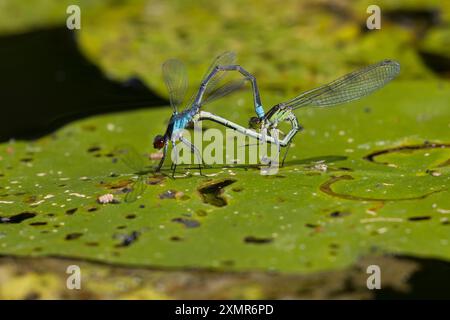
x=366 y=178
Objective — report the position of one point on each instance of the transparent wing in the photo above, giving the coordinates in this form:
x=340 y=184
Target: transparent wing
x=130 y=157
x=226 y=58
x=175 y=77
x=137 y=189
x=350 y=87
x=224 y=90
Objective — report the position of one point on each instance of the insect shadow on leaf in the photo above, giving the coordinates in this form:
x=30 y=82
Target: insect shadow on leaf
x=134 y=161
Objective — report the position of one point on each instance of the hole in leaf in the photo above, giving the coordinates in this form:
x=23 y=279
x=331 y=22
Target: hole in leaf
x=18 y=218
x=211 y=192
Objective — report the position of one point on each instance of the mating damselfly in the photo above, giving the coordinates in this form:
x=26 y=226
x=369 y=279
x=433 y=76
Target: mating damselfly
x=263 y=127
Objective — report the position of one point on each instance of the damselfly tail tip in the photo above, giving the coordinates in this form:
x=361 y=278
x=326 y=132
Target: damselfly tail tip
x=392 y=63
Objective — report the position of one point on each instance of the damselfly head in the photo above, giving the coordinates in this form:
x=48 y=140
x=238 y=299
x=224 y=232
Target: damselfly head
x=159 y=141
x=254 y=123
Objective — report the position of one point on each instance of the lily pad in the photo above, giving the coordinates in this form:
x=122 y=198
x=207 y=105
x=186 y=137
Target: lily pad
x=381 y=187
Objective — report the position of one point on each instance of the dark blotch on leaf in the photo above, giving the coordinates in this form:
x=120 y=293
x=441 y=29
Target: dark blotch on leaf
x=176 y=238
x=94 y=149
x=256 y=240
x=339 y=214
x=130 y=216
x=188 y=223
x=18 y=218
x=71 y=211
x=92 y=209
x=30 y=199
x=129 y=239
x=311 y=225
x=211 y=192
x=38 y=223
x=419 y=218
x=73 y=236
x=201 y=213
x=228 y=263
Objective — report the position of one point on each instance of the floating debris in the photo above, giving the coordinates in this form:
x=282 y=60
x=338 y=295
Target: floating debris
x=106 y=198
x=172 y=194
x=434 y=173
x=320 y=167
x=380 y=219
x=77 y=195
x=156 y=156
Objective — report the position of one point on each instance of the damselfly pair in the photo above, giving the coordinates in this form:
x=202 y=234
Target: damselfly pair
x=263 y=126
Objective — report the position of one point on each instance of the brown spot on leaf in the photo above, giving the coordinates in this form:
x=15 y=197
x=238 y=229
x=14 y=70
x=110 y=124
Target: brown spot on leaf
x=71 y=211
x=73 y=236
x=93 y=149
x=256 y=240
x=38 y=223
x=339 y=214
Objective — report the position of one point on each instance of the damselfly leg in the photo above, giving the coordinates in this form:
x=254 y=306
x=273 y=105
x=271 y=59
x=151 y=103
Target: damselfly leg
x=195 y=151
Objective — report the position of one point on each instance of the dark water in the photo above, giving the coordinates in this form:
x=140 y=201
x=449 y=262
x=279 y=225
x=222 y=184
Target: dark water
x=45 y=82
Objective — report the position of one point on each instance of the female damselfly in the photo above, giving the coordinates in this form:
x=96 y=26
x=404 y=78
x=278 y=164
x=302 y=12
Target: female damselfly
x=349 y=87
